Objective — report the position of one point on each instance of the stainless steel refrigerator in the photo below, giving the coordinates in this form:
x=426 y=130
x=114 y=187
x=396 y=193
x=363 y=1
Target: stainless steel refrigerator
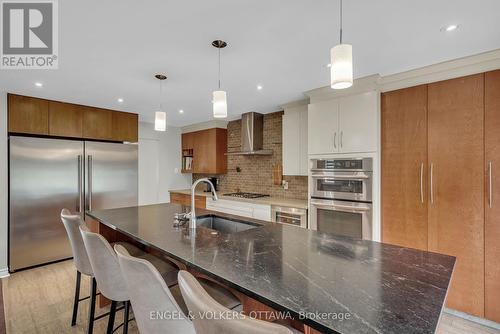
x=47 y=175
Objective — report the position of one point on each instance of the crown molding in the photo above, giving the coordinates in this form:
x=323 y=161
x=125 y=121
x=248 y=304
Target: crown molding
x=479 y=63
x=205 y=125
x=360 y=85
x=293 y=104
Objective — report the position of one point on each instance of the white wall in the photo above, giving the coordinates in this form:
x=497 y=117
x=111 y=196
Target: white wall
x=3 y=186
x=159 y=164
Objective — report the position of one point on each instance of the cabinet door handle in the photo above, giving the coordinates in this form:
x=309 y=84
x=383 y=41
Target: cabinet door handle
x=335 y=140
x=341 y=139
x=422 y=182
x=490 y=182
x=432 y=183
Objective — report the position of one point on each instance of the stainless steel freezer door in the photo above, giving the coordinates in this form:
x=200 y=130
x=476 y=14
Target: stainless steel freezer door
x=43 y=180
x=111 y=175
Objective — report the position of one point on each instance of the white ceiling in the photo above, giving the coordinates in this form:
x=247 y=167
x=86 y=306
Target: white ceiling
x=111 y=49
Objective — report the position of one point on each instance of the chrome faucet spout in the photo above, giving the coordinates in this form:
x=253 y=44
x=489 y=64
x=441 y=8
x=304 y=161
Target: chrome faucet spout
x=192 y=219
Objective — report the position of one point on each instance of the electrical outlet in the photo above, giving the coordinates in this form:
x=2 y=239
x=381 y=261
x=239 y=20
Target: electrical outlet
x=284 y=183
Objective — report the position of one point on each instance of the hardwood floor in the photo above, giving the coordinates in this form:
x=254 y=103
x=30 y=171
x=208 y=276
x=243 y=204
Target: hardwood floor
x=40 y=301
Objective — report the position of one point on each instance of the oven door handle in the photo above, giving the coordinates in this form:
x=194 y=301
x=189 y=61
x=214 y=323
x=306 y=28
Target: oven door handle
x=340 y=177
x=342 y=207
x=332 y=170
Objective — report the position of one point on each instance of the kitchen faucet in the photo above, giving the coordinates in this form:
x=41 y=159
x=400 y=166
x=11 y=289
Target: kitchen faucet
x=192 y=219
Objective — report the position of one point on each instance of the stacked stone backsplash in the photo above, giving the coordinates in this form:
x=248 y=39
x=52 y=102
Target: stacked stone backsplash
x=256 y=172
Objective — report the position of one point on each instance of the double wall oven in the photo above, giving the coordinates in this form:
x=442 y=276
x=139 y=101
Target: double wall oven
x=341 y=196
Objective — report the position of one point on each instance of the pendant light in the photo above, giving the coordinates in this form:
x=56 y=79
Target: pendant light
x=341 y=62
x=219 y=96
x=160 y=116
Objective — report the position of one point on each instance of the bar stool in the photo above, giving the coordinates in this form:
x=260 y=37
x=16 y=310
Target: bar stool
x=80 y=259
x=108 y=274
x=82 y=263
x=199 y=302
x=149 y=293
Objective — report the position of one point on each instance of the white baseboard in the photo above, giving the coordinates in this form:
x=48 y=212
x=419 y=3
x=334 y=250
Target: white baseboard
x=4 y=272
x=481 y=321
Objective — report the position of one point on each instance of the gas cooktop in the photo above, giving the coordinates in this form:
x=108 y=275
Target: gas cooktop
x=246 y=195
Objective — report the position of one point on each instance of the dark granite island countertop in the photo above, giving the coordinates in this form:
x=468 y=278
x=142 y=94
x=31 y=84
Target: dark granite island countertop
x=315 y=276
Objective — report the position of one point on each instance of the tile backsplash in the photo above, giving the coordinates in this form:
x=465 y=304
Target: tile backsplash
x=255 y=173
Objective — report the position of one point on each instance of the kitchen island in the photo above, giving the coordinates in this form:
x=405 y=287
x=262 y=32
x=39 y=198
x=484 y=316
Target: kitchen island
x=331 y=284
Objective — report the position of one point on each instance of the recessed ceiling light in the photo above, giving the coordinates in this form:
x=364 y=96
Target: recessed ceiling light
x=259 y=87
x=120 y=100
x=181 y=111
x=451 y=27
x=38 y=84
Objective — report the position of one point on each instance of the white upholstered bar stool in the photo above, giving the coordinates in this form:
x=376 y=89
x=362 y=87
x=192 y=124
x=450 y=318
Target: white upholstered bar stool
x=150 y=296
x=80 y=259
x=148 y=293
x=201 y=304
x=108 y=274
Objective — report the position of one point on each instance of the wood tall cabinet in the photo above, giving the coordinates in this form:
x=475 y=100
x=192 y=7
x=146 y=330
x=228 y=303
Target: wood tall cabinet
x=404 y=167
x=456 y=206
x=434 y=164
x=492 y=196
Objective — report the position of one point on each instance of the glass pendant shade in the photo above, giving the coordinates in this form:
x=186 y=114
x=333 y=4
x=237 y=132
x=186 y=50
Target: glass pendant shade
x=341 y=66
x=160 y=121
x=220 y=104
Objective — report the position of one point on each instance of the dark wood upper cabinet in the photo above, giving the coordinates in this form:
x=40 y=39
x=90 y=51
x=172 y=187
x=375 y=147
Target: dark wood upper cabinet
x=28 y=115
x=65 y=119
x=492 y=196
x=97 y=124
x=209 y=150
x=404 y=167
x=125 y=127
x=187 y=141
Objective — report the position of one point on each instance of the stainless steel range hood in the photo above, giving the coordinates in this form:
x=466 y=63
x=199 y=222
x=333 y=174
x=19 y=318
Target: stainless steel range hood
x=252 y=135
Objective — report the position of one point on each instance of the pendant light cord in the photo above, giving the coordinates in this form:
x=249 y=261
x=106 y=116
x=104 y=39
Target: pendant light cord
x=340 y=21
x=161 y=85
x=219 y=68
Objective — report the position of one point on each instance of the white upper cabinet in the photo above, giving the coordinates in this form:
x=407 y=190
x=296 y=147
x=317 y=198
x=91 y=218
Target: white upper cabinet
x=358 y=122
x=304 y=160
x=295 y=141
x=323 y=127
x=344 y=125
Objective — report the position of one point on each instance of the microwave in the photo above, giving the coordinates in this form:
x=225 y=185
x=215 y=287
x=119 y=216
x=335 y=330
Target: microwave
x=346 y=179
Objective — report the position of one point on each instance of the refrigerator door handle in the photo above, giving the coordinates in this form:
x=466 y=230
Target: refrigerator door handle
x=80 y=188
x=89 y=189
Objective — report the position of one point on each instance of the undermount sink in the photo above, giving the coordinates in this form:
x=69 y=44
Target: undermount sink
x=224 y=225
